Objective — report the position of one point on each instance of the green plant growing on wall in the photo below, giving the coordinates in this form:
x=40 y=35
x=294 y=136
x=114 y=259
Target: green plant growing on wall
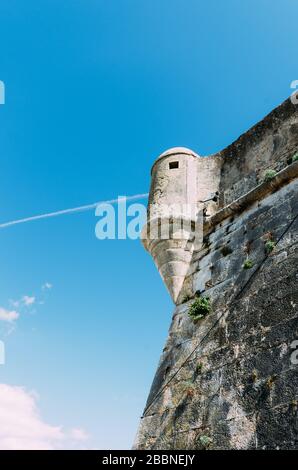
x=205 y=441
x=270 y=245
x=295 y=157
x=269 y=175
x=248 y=264
x=199 y=308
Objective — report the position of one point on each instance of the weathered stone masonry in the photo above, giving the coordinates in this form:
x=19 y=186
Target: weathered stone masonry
x=239 y=390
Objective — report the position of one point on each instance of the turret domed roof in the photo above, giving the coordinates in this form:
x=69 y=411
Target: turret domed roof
x=177 y=151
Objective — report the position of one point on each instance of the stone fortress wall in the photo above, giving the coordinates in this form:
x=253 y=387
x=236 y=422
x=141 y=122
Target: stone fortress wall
x=228 y=381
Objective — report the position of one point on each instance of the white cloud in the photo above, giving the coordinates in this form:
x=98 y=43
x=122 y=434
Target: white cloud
x=27 y=300
x=8 y=315
x=46 y=285
x=22 y=427
x=18 y=306
x=78 y=434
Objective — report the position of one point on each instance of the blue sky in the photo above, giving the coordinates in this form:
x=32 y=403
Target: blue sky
x=95 y=91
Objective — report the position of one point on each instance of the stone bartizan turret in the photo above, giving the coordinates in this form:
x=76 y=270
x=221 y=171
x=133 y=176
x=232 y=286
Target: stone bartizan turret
x=184 y=186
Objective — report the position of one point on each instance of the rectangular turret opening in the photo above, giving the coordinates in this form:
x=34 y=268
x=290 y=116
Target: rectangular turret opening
x=173 y=165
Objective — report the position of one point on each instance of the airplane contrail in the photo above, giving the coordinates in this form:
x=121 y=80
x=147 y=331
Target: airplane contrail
x=87 y=207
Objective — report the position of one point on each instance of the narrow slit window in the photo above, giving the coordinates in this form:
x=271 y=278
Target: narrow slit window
x=173 y=165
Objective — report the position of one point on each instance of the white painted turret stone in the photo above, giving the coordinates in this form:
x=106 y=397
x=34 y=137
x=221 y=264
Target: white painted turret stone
x=180 y=182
